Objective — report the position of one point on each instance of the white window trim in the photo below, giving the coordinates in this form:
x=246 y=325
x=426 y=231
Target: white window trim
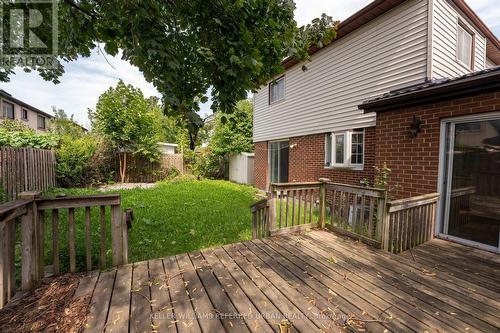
x=347 y=152
x=281 y=78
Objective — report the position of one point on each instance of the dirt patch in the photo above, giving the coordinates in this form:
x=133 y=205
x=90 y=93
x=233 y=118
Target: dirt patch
x=49 y=308
x=125 y=186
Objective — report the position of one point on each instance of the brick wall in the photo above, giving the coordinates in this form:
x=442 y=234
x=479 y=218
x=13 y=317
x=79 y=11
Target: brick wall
x=307 y=158
x=415 y=161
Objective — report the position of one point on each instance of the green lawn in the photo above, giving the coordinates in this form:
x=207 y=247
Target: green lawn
x=172 y=218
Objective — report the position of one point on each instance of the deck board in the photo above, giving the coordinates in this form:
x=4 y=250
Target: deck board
x=317 y=280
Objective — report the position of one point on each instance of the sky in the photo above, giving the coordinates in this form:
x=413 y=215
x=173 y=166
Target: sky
x=87 y=78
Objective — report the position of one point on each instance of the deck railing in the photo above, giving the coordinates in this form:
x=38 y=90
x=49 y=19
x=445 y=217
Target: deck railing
x=356 y=211
x=294 y=206
x=260 y=219
x=28 y=215
x=410 y=222
x=360 y=212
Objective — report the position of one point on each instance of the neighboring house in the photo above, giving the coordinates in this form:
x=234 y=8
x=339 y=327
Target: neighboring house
x=12 y=108
x=307 y=124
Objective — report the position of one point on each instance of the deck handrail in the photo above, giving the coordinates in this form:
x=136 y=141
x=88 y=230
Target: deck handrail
x=409 y=222
x=360 y=212
x=29 y=212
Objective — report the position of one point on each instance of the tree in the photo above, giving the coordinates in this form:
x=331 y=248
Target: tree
x=233 y=132
x=129 y=122
x=184 y=47
x=63 y=125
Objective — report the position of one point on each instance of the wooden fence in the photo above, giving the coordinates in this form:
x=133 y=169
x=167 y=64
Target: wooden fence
x=26 y=169
x=140 y=170
x=359 y=212
x=29 y=216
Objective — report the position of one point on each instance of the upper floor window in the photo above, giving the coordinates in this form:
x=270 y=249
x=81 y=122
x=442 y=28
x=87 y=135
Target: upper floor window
x=345 y=149
x=24 y=114
x=277 y=90
x=465 y=46
x=41 y=123
x=8 y=110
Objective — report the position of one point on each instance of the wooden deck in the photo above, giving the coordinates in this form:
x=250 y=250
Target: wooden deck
x=318 y=280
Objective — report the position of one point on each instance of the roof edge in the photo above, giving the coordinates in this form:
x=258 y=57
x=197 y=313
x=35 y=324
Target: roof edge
x=379 y=7
x=453 y=89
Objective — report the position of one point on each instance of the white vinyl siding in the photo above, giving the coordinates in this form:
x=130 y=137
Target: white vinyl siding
x=387 y=53
x=446 y=63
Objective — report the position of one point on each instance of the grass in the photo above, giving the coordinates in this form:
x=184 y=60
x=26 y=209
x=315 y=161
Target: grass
x=171 y=218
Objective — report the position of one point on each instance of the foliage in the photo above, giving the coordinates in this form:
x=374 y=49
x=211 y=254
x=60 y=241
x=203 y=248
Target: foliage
x=14 y=133
x=61 y=124
x=129 y=122
x=382 y=175
x=209 y=165
x=3 y=195
x=230 y=133
x=171 y=218
x=233 y=132
x=74 y=160
x=12 y=125
x=186 y=47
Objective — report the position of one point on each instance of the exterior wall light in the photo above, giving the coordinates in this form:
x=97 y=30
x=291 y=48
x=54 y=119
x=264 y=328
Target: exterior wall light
x=415 y=126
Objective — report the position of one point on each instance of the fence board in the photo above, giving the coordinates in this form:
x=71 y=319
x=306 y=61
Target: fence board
x=26 y=169
x=141 y=170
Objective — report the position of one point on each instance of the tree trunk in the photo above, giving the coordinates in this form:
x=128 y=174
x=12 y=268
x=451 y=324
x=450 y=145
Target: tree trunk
x=123 y=166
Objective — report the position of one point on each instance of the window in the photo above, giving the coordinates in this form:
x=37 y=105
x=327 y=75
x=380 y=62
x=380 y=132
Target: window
x=24 y=114
x=357 y=147
x=339 y=140
x=345 y=149
x=277 y=90
x=41 y=122
x=8 y=110
x=465 y=40
x=278 y=162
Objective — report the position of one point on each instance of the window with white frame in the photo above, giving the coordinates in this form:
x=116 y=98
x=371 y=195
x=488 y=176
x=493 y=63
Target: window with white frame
x=277 y=90
x=345 y=149
x=465 y=44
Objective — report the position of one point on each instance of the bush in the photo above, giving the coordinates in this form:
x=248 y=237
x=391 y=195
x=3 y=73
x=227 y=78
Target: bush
x=171 y=173
x=74 y=160
x=209 y=165
x=15 y=134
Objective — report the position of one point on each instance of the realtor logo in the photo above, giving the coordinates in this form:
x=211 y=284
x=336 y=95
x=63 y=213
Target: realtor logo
x=28 y=29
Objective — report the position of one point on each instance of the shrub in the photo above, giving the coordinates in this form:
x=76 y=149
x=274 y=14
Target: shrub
x=74 y=160
x=209 y=165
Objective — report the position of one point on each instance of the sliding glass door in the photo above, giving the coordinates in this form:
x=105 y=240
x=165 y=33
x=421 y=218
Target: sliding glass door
x=278 y=162
x=471 y=181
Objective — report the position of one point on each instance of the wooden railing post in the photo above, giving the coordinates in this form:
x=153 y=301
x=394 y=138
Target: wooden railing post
x=272 y=209
x=116 y=235
x=381 y=217
x=29 y=243
x=322 y=203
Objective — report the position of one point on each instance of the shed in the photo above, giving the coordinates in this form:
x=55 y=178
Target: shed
x=241 y=168
x=167 y=148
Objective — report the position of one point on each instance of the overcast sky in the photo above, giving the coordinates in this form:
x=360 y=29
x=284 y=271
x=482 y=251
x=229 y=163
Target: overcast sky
x=87 y=78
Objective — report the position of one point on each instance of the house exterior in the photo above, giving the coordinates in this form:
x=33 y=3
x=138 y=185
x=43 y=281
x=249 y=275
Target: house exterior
x=444 y=137
x=15 y=109
x=307 y=124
